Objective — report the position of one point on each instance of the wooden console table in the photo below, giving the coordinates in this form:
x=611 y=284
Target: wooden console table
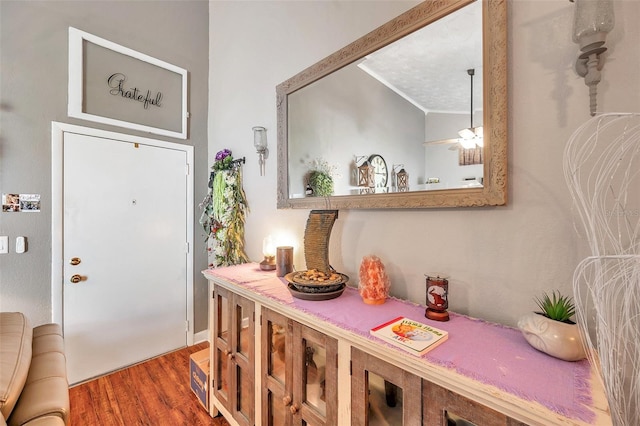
x=486 y=373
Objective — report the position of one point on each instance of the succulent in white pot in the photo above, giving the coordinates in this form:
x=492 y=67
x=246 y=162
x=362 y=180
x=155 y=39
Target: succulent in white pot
x=551 y=330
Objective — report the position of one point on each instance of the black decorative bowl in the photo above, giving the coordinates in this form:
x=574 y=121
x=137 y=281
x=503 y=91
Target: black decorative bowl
x=306 y=286
x=316 y=296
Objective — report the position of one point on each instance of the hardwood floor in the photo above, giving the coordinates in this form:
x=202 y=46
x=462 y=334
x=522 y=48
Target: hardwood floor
x=156 y=393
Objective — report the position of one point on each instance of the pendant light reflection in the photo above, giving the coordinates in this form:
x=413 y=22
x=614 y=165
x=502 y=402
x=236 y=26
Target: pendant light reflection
x=471 y=136
x=260 y=143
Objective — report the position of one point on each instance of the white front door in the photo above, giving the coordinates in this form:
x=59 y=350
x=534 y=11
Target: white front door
x=125 y=252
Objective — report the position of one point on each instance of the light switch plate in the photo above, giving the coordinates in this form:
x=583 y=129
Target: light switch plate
x=4 y=244
x=21 y=245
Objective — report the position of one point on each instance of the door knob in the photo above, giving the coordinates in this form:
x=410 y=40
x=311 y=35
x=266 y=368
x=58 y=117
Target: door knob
x=75 y=261
x=294 y=408
x=76 y=278
x=286 y=400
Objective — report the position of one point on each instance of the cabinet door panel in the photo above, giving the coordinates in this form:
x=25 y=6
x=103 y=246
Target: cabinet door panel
x=300 y=373
x=223 y=374
x=277 y=341
x=315 y=377
x=440 y=404
x=243 y=324
x=234 y=354
x=277 y=411
x=313 y=371
x=222 y=348
x=243 y=410
x=382 y=393
x=223 y=315
x=277 y=337
x=243 y=330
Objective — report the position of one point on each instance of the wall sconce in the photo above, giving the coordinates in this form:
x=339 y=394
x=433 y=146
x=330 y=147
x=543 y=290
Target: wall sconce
x=260 y=142
x=593 y=19
x=403 y=180
x=269 y=252
x=366 y=174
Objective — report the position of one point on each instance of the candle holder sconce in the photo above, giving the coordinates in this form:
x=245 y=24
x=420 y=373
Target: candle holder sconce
x=366 y=173
x=402 y=178
x=269 y=252
x=437 y=297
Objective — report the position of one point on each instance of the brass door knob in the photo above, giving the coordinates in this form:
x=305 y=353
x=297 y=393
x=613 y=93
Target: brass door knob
x=75 y=261
x=76 y=278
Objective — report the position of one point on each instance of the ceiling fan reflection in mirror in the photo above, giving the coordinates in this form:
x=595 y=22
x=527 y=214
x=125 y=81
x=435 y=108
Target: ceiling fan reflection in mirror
x=469 y=137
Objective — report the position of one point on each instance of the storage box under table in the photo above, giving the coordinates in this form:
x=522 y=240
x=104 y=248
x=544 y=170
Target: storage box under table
x=199 y=376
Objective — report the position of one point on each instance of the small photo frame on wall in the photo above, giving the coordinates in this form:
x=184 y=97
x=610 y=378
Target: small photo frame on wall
x=112 y=84
x=24 y=203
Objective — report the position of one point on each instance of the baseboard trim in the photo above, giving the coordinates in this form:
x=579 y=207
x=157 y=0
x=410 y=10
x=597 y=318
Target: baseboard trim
x=201 y=336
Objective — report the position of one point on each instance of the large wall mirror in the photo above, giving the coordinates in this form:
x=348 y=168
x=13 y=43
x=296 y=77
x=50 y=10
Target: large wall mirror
x=388 y=114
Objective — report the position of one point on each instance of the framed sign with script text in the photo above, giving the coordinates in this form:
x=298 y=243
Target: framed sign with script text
x=115 y=85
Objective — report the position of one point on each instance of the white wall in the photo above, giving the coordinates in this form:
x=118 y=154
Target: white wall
x=350 y=114
x=33 y=88
x=498 y=258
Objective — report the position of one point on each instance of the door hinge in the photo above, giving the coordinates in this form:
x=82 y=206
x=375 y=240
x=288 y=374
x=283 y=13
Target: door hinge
x=186 y=326
x=187 y=169
x=186 y=245
x=351 y=368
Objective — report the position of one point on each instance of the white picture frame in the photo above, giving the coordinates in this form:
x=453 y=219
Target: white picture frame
x=112 y=84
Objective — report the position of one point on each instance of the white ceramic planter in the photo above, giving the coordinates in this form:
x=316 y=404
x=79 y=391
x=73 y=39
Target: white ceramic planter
x=555 y=338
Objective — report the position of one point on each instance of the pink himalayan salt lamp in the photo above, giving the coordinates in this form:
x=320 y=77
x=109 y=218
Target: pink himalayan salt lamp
x=374 y=282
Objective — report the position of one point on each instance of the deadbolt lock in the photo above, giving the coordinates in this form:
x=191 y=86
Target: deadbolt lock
x=75 y=261
x=76 y=278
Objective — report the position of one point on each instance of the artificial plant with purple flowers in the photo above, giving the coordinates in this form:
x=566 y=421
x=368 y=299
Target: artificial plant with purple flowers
x=224 y=211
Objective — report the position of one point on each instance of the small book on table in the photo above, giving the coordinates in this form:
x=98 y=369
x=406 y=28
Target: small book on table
x=412 y=336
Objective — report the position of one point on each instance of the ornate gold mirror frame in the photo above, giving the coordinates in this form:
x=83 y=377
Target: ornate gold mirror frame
x=494 y=189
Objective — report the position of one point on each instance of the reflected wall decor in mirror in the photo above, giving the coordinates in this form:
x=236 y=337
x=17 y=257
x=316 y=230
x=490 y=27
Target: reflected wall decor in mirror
x=403 y=95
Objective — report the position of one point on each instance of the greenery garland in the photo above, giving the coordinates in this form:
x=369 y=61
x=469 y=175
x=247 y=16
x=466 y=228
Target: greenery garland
x=224 y=211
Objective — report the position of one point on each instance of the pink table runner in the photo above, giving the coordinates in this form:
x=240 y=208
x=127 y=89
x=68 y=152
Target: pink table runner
x=490 y=353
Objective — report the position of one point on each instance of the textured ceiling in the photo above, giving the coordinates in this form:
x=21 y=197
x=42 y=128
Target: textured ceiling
x=429 y=67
